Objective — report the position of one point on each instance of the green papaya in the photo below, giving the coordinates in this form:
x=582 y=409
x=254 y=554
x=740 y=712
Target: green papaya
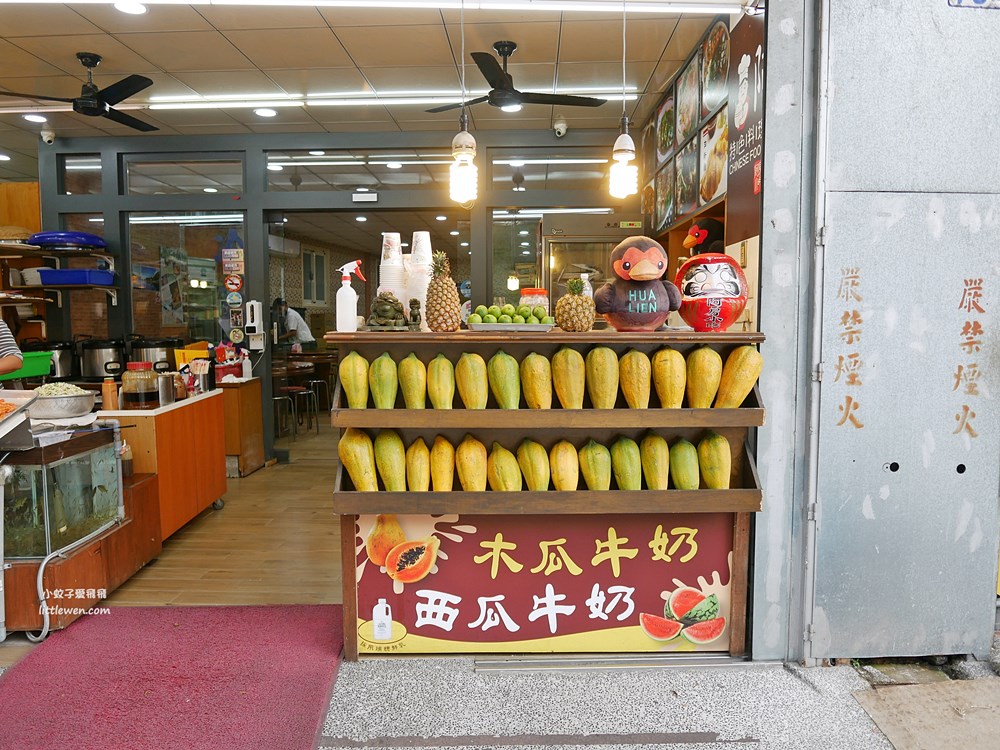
x=626 y=464
x=383 y=382
x=684 y=465
x=595 y=463
x=413 y=381
x=505 y=380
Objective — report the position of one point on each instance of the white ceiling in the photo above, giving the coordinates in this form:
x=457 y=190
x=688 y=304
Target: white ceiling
x=257 y=51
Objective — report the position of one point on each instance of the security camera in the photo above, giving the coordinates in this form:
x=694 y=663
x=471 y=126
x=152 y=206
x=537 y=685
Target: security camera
x=48 y=136
x=560 y=127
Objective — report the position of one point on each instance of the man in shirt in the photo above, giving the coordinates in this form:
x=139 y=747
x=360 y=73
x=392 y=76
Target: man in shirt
x=297 y=330
x=10 y=354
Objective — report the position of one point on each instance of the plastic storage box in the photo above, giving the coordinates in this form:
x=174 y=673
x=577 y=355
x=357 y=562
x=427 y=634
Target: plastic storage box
x=76 y=276
x=35 y=364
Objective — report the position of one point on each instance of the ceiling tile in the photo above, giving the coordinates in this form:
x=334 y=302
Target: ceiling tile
x=499 y=17
x=226 y=17
x=34 y=20
x=664 y=71
x=367 y=126
x=163 y=85
x=449 y=126
x=61 y=51
x=339 y=17
x=289 y=115
x=291 y=48
x=232 y=127
x=415 y=78
x=250 y=82
x=159 y=18
x=604 y=74
x=528 y=112
x=412 y=112
x=536 y=42
x=189 y=51
x=182 y=118
x=527 y=77
x=60 y=85
x=315 y=81
x=516 y=124
x=278 y=127
x=325 y=115
x=16 y=62
x=584 y=41
x=388 y=46
x=687 y=34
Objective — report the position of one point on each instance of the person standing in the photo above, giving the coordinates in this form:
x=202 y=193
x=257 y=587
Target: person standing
x=296 y=329
x=10 y=354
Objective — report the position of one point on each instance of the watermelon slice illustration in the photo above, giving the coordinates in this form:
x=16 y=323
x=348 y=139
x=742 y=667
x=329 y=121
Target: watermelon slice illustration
x=659 y=628
x=682 y=601
x=704 y=632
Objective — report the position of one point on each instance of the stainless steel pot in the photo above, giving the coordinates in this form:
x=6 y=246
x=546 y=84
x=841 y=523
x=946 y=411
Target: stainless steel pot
x=101 y=357
x=63 y=356
x=158 y=351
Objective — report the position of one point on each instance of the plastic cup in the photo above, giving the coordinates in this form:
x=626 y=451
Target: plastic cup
x=392 y=251
x=420 y=248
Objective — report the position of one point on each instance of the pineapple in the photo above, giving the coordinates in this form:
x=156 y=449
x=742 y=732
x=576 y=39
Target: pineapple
x=442 y=309
x=575 y=311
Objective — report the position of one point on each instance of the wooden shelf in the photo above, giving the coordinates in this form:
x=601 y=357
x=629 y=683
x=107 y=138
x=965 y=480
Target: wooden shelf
x=747 y=499
x=112 y=291
x=607 y=337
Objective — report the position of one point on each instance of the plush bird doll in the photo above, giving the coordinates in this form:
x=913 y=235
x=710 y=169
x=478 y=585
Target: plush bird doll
x=706 y=236
x=638 y=298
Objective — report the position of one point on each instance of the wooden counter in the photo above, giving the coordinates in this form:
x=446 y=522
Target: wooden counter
x=244 y=427
x=184 y=445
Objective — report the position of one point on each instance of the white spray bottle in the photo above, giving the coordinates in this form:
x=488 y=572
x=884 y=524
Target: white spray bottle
x=347 y=298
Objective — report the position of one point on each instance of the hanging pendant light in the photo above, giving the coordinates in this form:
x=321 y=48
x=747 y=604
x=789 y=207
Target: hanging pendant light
x=624 y=175
x=464 y=173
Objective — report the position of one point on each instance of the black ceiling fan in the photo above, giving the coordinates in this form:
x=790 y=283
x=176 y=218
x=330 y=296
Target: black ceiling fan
x=503 y=93
x=99 y=102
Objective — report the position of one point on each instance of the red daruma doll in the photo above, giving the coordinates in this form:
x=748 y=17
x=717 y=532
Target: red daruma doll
x=713 y=291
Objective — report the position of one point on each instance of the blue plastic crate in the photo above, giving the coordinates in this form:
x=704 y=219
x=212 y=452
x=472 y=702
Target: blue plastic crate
x=75 y=276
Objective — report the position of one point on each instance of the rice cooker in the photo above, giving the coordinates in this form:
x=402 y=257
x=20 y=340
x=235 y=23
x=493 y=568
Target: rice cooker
x=158 y=351
x=101 y=357
x=63 y=356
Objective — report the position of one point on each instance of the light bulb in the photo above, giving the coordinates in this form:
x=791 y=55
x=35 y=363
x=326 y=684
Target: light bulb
x=513 y=284
x=624 y=176
x=194 y=283
x=464 y=180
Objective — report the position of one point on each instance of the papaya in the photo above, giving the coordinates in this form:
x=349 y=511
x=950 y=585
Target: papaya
x=564 y=465
x=505 y=381
x=441 y=382
x=704 y=370
x=412 y=375
x=655 y=456
x=626 y=464
x=385 y=534
x=358 y=456
x=383 y=382
x=715 y=460
x=502 y=470
x=442 y=465
x=534 y=463
x=684 y=465
x=418 y=466
x=634 y=372
x=410 y=562
x=669 y=377
x=568 y=377
x=471 y=379
x=595 y=463
x=536 y=381
x=470 y=460
x=390 y=458
x=353 y=373
x=740 y=373
x=602 y=377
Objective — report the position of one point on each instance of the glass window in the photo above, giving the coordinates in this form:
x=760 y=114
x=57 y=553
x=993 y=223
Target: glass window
x=162 y=177
x=179 y=263
x=516 y=256
x=89 y=308
x=528 y=169
x=314 y=277
x=357 y=170
x=80 y=174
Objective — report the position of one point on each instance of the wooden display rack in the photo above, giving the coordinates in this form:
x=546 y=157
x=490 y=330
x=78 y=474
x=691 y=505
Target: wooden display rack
x=548 y=427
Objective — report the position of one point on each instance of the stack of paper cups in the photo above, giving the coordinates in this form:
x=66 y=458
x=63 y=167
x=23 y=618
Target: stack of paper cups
x=420 y=253
x=391 y=273
x=392 y=252
x=419 y=275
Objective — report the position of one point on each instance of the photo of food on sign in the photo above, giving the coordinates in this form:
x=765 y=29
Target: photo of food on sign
x=665 y=127
x=581 y=583
x=647 y=198
x=664 y=196
x=714 y=157
x=686 y=188
x=688 y=101
x=715 y=68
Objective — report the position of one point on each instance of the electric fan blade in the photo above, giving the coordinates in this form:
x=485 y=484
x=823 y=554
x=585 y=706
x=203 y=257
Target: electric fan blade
x=123 y=89
x=132 y=122
x=446 y=107
x=491 y=70
x=570 y=101
x=35 y=96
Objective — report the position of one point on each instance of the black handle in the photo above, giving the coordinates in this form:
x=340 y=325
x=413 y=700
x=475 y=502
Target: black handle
x=165 y=366
x=113 y=368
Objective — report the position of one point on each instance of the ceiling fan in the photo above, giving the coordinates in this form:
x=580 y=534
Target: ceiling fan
x=503 y=93
x=99 y=102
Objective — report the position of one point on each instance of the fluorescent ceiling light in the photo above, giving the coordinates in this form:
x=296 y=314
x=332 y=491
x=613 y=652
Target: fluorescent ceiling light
x=525 y=252
x=453 y=233
x=523 y=232
x=464 y=244
x=281 y=164
x=265 y=112
x=134 y=9
x=210 y=190
x=522 y=162
x=361 y=189
x=441 y=218
x=404 y=244
x=35 y=118
x=317 y=153
x=525 y=244
x=193 y=219
x=391 y=164
x=595 y=6
x=361 y=218
x=227 y=103
x=4 y=157
x=275 y=167
x=542 y=211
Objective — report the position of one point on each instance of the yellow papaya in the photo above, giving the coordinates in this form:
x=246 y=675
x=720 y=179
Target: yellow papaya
x=740 y=373
x=684 y=465
x=502 y=470
x=654 y=452
x=564 y=465
x=626 y=464
x=536 y=380
x=418 y=466
x=382 y=382
x=390 y=458
x=353 y=373
x=569 y=374
x=704 y=370
x=442 y=465
x=385 y=534
x=470 y=460
x=357 y=455
x=441 y=382
x=716 y=461
x=505 y=381
x=471 y=379
x=595 y=463
x=534 y=463
x=602 y=377
x=634 y=372
x=669 y=377
x=412 y=375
